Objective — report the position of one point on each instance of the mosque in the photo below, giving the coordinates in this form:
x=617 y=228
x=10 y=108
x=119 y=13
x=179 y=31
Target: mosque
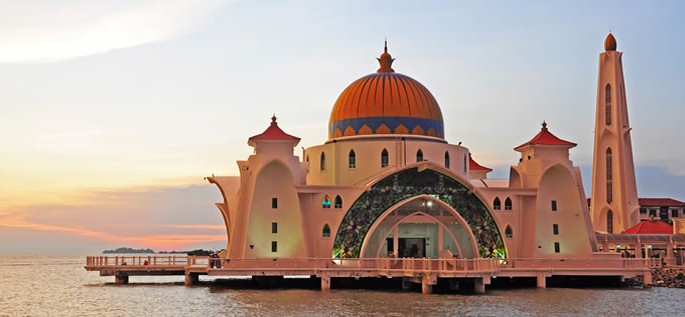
x=387 y=184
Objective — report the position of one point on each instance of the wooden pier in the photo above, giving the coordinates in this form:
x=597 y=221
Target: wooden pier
x=411 y=270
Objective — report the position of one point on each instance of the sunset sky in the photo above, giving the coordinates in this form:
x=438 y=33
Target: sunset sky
x=113 y=111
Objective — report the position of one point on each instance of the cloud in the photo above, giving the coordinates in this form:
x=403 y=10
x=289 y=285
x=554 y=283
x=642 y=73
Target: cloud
x=48 y=31
x=161 y=218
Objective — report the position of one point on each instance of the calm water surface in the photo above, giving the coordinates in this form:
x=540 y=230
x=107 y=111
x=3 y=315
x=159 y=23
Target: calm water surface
x=59 y=286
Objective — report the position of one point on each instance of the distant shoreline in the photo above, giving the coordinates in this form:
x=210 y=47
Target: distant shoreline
x=125 y=250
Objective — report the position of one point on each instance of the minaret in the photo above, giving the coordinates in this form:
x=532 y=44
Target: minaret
x=614 y=205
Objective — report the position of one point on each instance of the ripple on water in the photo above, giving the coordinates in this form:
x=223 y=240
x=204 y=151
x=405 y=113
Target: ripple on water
x=59 y=286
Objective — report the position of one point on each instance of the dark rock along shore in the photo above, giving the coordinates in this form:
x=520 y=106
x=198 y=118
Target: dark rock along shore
x=669 y=276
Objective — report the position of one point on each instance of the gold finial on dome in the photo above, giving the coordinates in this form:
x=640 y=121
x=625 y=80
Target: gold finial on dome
x=610 y=43
x=273 y=120
x=386 y=61
x=544 y=125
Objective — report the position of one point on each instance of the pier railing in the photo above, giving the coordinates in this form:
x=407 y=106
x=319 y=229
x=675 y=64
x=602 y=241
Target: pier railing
x=382 y=265
x=138 y=260
x=580 y=263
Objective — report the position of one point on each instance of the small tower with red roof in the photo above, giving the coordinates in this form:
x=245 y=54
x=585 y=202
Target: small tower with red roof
x=556 y=206
x=267 y=199
x=543 y=150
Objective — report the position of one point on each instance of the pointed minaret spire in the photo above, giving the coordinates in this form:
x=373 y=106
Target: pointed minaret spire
x=385 y=49
x=614 y=205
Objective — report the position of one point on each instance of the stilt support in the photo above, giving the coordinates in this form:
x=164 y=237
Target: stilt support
x=427 y=283
x=647 y=279
x=542 y=280
x=121 y=279
x=192 y=278
x=406 y=284
x=325 y=283
x=479 y=285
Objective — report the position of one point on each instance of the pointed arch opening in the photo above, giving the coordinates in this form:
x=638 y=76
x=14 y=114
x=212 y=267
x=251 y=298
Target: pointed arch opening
x=508 y=232
x=352 y=160
x=507 y=204
x=338 y=202
x=364 y=221
x=384 y=158
x=326 y=202
x=419 y=156
x=496 y=204
x=322 y=161
x=609 y=176
x=326 y=231
x=447 y=160
x=607 y=104
x=413 y=227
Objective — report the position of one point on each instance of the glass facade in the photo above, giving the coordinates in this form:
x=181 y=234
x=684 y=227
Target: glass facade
x=411 y=183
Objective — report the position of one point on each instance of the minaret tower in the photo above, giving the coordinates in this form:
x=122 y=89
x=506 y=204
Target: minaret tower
x=614 y=205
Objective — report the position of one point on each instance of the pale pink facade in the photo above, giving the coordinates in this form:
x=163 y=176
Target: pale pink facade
x=285 y=206
x=614 y=206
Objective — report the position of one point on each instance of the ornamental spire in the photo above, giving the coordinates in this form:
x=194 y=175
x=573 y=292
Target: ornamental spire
x=610 y=43
x=386 y=61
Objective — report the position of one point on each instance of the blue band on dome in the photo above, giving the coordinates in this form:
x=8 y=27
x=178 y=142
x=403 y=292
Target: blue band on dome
x=391 y=122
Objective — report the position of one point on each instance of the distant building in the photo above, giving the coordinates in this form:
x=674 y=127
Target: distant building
x=665 y=209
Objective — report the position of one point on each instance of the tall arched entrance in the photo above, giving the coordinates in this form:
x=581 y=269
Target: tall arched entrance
x=420 y=227
x=394 y=204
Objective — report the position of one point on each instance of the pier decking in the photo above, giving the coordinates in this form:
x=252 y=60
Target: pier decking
x=415 y=270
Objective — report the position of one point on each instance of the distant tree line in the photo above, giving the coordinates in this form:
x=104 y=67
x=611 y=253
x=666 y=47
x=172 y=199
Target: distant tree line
x=197 y=252
x=128 y=250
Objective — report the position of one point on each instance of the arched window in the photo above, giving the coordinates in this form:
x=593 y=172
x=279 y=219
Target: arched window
x=496 y=204
x=508 y=232
x=323 y=161
x=507 y=204
x=609 y=176
x=326 y=202
x=419 y=156
x=610 y=221
x=338 y=202
x=466 y=164
x=326 y=231
x=447 y=160
x=607 y=104
x=384 y=158
x=307 y=158
x=352 y=160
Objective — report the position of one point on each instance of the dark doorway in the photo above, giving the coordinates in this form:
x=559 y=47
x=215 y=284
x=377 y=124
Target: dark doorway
x=408 y=247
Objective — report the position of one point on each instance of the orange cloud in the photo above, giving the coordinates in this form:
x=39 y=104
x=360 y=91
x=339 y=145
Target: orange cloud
x=199 y=227
x=174 y=241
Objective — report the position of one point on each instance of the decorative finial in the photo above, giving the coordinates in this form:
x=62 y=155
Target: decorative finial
x=385 y=60
x=273 y=120
x=610 y=43
x=544 y=125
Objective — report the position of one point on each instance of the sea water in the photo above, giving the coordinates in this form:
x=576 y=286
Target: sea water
x=60 y=286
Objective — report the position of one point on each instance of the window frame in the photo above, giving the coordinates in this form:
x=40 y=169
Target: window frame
x=385 y=158
x=352 y=160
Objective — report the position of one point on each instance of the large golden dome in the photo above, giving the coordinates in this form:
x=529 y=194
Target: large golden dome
x=386 y=103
